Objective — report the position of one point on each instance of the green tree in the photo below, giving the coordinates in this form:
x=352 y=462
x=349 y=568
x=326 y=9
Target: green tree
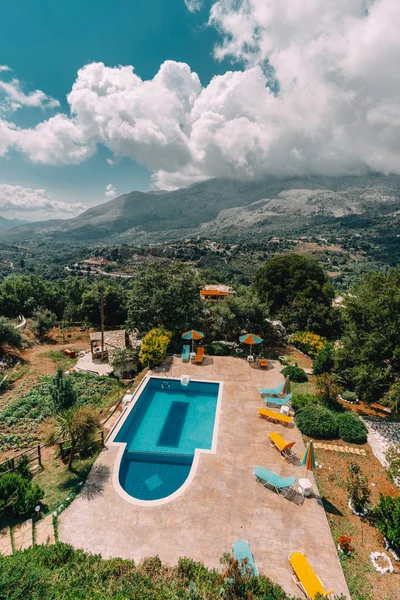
x=63 y=391
x=154 y=347
x=125 y=360
x=43 y=320
x=114 y=297
x=9 y=336
x=238 y=313
x=165 y=296
x=392 y=398
x=297 y=290
x=18 y=495
x=369 y=353
x=328 y=391
x=357 y=487
x=77 y=424
x=324 y=361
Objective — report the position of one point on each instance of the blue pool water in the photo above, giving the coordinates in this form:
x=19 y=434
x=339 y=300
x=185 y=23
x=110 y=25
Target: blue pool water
x=162 y=431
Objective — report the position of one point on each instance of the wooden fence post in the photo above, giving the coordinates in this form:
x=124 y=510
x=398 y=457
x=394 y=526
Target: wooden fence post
x=61 y=448
x=39 y=455
x=12 y=461
x=102 y=438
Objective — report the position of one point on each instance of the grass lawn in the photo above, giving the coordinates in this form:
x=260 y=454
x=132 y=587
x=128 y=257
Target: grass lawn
x=60 y=485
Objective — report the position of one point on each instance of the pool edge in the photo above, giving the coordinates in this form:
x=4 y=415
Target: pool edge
x=122 y=445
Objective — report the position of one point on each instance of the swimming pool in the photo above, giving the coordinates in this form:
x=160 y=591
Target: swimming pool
x=161 y=433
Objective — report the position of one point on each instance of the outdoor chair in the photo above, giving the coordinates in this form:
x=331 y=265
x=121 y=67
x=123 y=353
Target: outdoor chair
x=242 y=553
x=270 y=401
x=281 y=485
x=305 y=577
x=263 y=362
x=185 y=353
x=284 y=448
x=199 y=356
x=272 y=391
x=270 y=415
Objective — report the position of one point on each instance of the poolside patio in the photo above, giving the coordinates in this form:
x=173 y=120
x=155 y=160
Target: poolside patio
x=223 y=503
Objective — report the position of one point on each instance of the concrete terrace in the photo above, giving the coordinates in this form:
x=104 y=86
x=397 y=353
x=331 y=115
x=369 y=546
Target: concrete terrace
x=223 y=503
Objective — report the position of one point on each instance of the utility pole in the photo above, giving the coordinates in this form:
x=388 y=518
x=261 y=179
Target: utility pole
x=101 y=290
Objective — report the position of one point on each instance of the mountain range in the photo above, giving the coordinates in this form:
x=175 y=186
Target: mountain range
x=222 y=208
x=9 y=223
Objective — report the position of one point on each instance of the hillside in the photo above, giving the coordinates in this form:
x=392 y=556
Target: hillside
x=9 y=223
x=221 y=208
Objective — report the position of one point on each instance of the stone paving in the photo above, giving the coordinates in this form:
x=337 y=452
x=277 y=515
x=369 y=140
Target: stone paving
x=223 y=503
x=23 y=535
x=44 y=531
x=5 y=541
x=381 y=434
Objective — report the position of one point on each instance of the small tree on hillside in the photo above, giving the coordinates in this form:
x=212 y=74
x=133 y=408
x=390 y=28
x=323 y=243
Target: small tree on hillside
x=154 y=347
x=63 y=391
x=9 y=336
x=125 y=360
x=328 y=390
x=324 y=361
x=78 y=424
x=357 y=487
x=43 y=321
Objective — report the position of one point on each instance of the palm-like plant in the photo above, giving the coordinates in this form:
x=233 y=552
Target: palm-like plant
x=79 y=424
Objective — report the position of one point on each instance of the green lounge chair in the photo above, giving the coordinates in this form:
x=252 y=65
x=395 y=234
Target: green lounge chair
x=281 y=485
x=269 y=401
x=272 y=391
x=185 y=353
x=242 y=553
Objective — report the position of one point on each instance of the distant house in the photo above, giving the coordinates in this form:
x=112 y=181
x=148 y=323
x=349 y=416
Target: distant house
x=216 y=293
x=113 y=340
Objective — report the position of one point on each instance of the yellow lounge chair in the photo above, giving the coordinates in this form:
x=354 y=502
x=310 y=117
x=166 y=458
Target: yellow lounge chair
x=284 y=448
x=199 y=356
x=305 y=577
x=265 y=413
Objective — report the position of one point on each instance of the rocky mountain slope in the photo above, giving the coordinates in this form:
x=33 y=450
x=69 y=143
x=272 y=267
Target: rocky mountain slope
x=227 y=208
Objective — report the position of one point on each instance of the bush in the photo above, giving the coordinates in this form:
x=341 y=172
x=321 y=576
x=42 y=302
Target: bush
x=154 y=347
x=324 y=360
x=351 y=428
x=349 y=396
x=307 y=342
x=357 y=487
x=18 y=495
x=299 y=401
x=218 y=349
x=393 y=457
x=386 y=515
x=328 y=391
x=295 y=373
x=317 y=422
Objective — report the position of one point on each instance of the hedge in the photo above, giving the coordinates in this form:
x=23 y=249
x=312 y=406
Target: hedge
x=318 y=422
x=351 y=428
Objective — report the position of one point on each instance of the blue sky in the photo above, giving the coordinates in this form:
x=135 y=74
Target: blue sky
x=101 y=98
x=56 y=38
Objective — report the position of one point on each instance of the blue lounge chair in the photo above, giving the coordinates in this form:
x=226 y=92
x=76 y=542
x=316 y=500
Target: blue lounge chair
x=281 y=485
x=269 y=401
x=185 y=353
x=242 y=553
x=272 y=391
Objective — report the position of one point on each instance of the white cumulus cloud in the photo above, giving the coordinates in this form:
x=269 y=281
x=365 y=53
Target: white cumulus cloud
x=19 y=198
x=193 y=5
x=15 y=97
x=111 y=191
x=4 y=68
x=319 y=94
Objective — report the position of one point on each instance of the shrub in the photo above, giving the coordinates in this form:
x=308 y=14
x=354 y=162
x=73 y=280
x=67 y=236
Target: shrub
x=154 y=347
x=351 y=428
x=299 y=401
x=18 y=495
x=324 y=360
x=317 y=421
x=393 y=457
x=349 y=396
x=392 y=397
x=307 y=342
x=386 y=515
x=295 y=373
x=357 y=487
x=328 y=391
x=218 y=349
